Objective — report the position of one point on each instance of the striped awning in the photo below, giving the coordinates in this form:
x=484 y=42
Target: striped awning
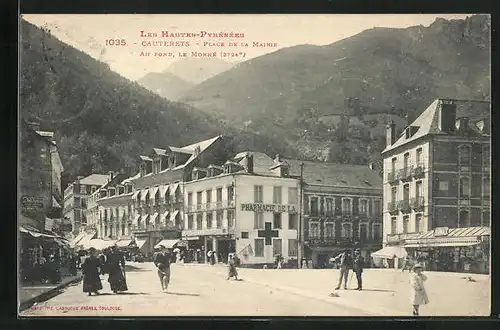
x=163 y=190
x=460 y=232
x=168 y=243
x=174 y=188
x=443 y=244
x=144 y=217
x=173 y=215
x=165 y=216
x=153 y=191
x=452 y=237
x=124 y=243
x=154 y=216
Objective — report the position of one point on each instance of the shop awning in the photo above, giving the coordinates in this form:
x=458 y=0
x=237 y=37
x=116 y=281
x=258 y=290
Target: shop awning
x=86 y=239
x=164 y=190
x=144 y=218
x=174 y=188
x=140 y=243
x=98 y=244
x=390 y=252
x=168 y=243
x=124 y=243
x=166 y=216
x=442 y=244
x=77 y=239
x=34 y=232
x=153 y=191
x=173 y=215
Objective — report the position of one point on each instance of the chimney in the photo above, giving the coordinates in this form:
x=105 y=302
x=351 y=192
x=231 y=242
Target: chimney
x=447 y=116
x=111 y=175
x=197 y=150
x=390 y=133
x=249 y=162
x=277 y=158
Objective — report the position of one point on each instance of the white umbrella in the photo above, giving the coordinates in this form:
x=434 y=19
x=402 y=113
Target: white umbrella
x=209 y=253
x=177 y=250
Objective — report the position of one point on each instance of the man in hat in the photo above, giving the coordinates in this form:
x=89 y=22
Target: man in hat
x=161 y=260
x=345 y=261
x=358 y=263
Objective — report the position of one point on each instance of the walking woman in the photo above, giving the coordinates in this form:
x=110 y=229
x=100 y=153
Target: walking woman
x=91 y=271
x=232 y=272
x=418 y=293
x=115 y=267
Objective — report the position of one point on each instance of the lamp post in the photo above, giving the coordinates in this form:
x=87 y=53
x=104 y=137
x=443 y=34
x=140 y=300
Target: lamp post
x=300 y=253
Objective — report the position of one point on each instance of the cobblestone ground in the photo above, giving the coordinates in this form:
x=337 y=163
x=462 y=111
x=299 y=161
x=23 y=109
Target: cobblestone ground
x=202 y=290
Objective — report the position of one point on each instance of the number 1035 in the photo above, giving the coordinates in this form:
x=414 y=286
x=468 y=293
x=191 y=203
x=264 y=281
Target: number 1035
x=116 y=42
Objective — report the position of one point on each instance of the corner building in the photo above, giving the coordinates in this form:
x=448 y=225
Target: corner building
x=248 y=206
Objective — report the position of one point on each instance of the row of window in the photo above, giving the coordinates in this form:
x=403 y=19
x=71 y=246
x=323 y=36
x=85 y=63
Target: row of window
x=346 y=231
x=406 y=160
x=208 y=195
x=419 y=192
x=209 y=216
x=365 y=206
x=277 y=247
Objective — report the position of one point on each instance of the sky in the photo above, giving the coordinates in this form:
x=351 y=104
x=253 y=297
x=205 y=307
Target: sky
x=90 y=32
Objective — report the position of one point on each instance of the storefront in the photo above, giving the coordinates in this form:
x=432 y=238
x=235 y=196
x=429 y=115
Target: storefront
x=452 y=249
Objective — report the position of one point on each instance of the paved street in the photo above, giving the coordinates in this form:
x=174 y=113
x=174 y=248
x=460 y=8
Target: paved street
x=202 y=290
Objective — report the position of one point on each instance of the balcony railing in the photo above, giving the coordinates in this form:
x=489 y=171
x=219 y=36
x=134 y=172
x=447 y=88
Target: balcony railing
x=208 y=232
x=392 y=207
x=404 y=205
x=418 y=171
x=210 y=206
x=405 y=174
x=393 y=177
x=417 y=203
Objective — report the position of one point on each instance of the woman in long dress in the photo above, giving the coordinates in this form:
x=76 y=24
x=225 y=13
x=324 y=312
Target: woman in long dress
x=418 y=293
x=91 y=270
x=232 y=267
x=115 y=267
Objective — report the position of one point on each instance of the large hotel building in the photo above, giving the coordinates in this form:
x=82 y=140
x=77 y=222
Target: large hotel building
x=437 y=183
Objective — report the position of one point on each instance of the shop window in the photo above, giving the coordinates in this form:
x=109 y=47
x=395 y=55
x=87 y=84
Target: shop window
x=292 y=221
x=292 y=248
x=277 y=246
x=259 y=247
x=277 y=221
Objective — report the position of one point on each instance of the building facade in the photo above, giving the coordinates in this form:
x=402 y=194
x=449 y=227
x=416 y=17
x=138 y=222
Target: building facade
x=342 y=209
x=40 y=176
x=76 y=196
x=437 y=171
x=247 y=206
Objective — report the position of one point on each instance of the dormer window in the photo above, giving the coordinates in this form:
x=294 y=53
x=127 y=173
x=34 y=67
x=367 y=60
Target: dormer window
x=156 y=165
x=143 y=169
x=102 y=193
x=128 y=188
x=121 y=190
x=111 y=192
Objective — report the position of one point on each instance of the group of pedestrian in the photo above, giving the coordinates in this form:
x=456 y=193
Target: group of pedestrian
x=111 y=262
x=355 y=261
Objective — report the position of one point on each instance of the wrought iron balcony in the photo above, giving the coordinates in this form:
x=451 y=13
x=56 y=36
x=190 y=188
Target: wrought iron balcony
x=404 y=205
x=405 y=174
x=418 y=171
x=392 y=207
x=417 y=203
x=393 y=177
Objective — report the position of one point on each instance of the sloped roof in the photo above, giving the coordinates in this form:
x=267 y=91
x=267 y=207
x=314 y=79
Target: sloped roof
x=332 y=174
x=158 y=151
x=428 y=121
x=262 y=163
x=203 y=144
x=117 y=179
x=129 y=180
x=95 y=180
x=181 y=150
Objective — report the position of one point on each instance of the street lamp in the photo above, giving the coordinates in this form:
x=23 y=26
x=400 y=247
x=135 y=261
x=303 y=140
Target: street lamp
x=301 y=227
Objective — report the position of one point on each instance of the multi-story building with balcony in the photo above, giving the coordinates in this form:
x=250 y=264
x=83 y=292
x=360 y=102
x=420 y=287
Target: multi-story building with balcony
x=247 y=205
x=158 y=201
x=342 y=208
x=75 y=199
x=437 y=171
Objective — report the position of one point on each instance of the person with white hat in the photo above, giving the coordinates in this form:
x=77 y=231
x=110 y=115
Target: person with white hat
x=418 y=293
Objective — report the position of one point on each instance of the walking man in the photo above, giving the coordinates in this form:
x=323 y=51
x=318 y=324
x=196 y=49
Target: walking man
x=162 y=260
x=345 y=264
x=358 y=263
